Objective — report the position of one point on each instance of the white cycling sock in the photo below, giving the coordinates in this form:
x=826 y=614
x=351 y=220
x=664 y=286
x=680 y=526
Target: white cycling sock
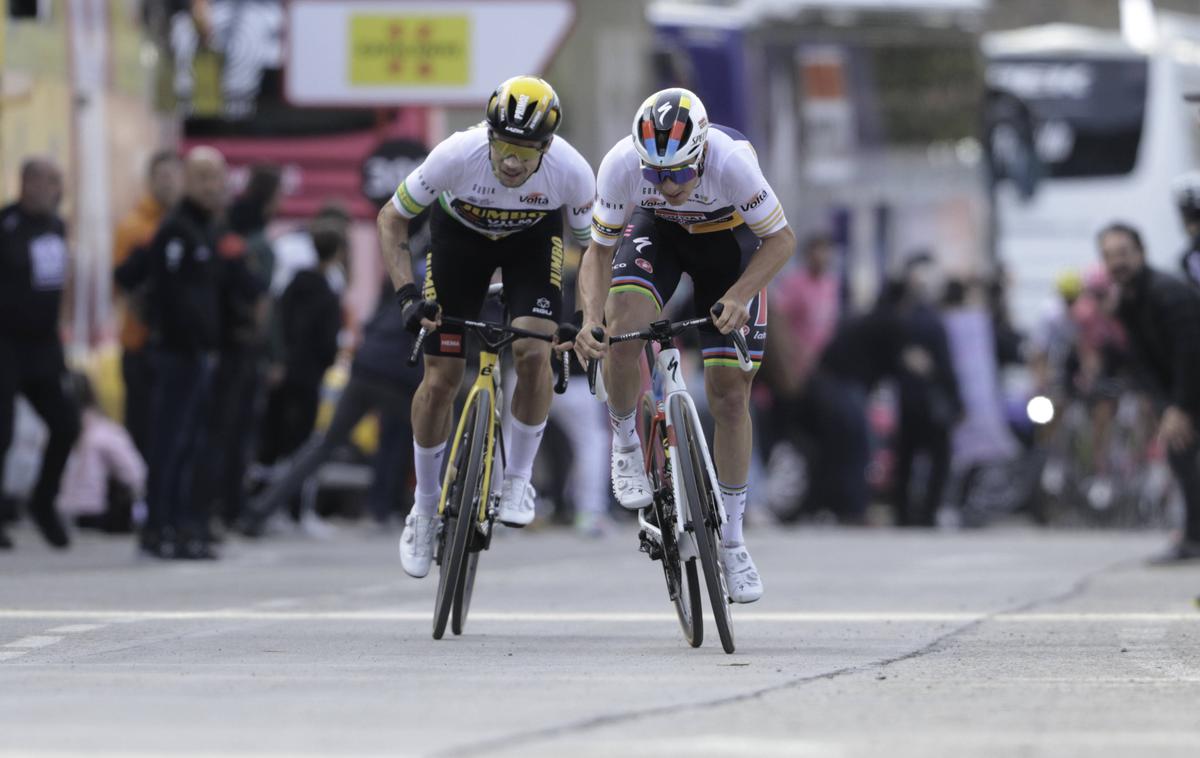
x=735 y=509
x=522 y=448
x=624 y=429
x=428 y=462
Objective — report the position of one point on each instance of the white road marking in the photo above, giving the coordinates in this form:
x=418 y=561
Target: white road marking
x=814 y=617
x=35 y=641
x=8 y=655
x=279 y=602
x=377 y=589
x=75 y=628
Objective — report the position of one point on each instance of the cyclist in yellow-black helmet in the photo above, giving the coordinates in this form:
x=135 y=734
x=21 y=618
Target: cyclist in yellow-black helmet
x=499 y=194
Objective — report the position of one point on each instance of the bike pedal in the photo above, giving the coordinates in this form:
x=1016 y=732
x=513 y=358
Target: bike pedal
x=649 y=547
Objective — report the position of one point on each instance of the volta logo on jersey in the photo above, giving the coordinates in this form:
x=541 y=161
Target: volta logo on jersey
x=756 y=201
x=535 y=198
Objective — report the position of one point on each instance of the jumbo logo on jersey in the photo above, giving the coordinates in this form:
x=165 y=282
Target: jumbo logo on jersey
x=496 y=220
x=535 y=198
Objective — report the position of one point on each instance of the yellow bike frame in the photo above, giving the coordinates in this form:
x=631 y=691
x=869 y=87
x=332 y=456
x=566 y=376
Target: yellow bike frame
x=489 y=364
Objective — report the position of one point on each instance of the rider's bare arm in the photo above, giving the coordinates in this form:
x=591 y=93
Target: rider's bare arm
x=393 y=242
x=766 y=262
x=595 y=276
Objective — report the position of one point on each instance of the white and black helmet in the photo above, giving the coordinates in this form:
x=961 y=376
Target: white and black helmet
x=670 y=128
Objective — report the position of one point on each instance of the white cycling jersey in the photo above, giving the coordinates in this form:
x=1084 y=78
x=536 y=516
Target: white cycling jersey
x=458 y=173
x=731 y=191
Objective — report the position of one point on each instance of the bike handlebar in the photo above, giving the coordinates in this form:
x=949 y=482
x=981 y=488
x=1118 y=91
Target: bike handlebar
x=496 y=337
x=663 y=331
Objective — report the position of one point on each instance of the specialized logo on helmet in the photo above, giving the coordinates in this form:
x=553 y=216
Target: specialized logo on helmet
x=670 y=128
x=663 y=110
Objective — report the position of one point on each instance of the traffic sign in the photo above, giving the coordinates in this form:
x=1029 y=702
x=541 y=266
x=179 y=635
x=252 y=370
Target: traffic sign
x=451 y=52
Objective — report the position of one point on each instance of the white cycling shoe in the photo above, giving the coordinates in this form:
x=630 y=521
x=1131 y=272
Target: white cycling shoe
x=741 y=575
x=516 y=503
x=629 y=481
x=416 y=544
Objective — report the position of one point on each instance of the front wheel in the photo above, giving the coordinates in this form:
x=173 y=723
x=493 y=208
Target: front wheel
x=705 y=517
x=462 y=598
x=462 y=511
x=683 y=584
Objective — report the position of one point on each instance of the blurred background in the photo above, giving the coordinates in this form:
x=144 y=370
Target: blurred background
x=946 y=164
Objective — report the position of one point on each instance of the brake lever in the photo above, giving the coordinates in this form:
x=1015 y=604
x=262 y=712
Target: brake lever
x=739 y=340
x=564 y=373
x=595 y=378
x=430 y=312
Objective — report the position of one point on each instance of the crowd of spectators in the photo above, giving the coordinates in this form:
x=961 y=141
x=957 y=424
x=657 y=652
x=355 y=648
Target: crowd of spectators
x=227 y=329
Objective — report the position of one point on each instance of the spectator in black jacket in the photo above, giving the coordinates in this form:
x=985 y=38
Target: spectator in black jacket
x=929 y=401
x=1162 y=317
x=310 y=316
x=237 y=383
x=830 y=410
x=33 y=271
x=380 y=380
x=190 y=267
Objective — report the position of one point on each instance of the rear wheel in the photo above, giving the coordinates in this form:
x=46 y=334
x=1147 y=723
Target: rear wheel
x=462 y=509
x=683 y=583
x=701 y=496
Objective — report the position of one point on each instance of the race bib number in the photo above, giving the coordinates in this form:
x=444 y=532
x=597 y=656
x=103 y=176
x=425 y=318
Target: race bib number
x=48 y=262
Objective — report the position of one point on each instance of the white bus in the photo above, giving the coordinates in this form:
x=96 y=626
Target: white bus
x=1111 y=131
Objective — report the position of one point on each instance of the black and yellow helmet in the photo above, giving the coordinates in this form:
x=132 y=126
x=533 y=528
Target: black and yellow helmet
x=524 y=107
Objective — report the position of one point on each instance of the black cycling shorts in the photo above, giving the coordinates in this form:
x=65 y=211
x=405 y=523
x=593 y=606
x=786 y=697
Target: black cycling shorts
x=654 y=253
x=461 y=262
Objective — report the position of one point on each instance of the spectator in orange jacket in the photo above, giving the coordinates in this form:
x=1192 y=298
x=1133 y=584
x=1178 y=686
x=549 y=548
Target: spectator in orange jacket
x=164 y=186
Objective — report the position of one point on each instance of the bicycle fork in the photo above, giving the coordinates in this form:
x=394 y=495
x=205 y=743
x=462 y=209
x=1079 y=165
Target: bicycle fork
x=674 y=388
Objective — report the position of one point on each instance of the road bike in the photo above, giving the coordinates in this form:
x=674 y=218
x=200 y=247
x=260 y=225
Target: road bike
x=470 y=485
x=683 y=522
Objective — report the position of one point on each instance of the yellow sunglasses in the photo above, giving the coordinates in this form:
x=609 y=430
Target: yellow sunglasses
x=521 y=152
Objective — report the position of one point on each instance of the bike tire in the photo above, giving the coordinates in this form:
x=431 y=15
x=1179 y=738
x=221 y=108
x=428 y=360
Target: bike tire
x=681 y=574
x=462 y=598
x=705 y=518
x=464 y=498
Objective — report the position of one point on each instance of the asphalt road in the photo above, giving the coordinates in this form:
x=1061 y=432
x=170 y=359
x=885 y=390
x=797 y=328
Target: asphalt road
x=867 y=643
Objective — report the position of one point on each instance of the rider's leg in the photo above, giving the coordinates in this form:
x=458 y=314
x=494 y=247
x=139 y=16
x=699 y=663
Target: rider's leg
x=432 y=409
x=626 y=312
x=645 y=273
x=531 y=397
x=728 y=391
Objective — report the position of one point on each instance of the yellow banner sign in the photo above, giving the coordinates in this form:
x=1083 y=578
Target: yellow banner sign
x=409 y=50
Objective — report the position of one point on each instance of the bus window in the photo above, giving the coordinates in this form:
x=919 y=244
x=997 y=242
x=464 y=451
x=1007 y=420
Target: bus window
x=1087 y=113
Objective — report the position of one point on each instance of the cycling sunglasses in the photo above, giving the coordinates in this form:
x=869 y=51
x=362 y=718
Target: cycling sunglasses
x=679 y=174
x=521 y=152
